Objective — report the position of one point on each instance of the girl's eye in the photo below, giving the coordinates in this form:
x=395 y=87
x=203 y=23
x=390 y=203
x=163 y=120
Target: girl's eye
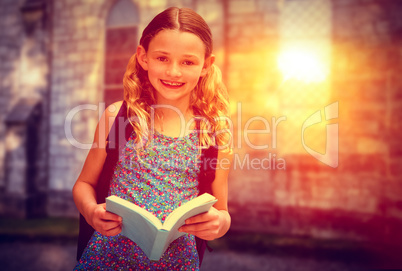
x=188 y=63
x=162 y=59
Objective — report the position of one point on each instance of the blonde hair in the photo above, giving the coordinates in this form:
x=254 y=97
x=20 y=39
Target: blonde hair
x=209 y=99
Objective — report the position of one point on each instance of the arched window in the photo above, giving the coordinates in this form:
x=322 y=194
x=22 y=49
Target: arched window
x=121 y=42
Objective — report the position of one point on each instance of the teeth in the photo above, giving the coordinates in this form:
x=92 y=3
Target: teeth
x=172 y=84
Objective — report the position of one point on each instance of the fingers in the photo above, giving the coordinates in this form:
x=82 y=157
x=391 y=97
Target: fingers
x=204 y=217
x=202 y=230
x=110 y=217
x=106 y=223
x=107 y=227
x=104 y=226
x=105 y=215
x=112 y=231
x=206 y=231
x=206 y=235
x=205 y=225
x=198 y=227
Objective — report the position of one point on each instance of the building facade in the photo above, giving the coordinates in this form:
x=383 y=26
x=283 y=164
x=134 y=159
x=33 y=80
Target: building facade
x=62 y=62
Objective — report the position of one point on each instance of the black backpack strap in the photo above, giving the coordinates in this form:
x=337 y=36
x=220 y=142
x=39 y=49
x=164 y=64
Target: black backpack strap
x=117 y=138
x=208 y=161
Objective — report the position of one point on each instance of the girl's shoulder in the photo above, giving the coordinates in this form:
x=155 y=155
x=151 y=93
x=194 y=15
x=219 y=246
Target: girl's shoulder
x=113 y=109
x=108 y=117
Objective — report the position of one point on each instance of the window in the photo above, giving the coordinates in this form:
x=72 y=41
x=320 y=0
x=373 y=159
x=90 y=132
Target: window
x=121 y=43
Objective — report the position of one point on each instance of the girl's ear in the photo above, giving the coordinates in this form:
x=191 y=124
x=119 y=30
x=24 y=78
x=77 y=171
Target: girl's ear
x=207 y=64
x=142 y=57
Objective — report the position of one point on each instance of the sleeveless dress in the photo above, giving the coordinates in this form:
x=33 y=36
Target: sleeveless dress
x=159 y=178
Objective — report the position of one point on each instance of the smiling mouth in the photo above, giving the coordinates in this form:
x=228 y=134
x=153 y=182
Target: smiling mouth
x=172 y=84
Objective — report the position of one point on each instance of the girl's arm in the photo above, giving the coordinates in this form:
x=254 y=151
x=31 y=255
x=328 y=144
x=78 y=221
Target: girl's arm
x=84 y=189
x=216 y=222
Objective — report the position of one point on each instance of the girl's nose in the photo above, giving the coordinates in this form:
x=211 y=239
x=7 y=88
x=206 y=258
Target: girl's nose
x=173 y=70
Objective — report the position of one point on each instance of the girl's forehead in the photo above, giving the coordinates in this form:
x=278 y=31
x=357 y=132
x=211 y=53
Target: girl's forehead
x=168 y=40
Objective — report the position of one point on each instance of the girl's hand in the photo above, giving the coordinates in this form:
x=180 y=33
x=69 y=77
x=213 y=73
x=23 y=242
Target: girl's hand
x=207 y=226
x=105 y=222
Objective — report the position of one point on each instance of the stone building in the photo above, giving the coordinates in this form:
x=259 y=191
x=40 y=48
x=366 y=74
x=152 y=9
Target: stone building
x=317 y=150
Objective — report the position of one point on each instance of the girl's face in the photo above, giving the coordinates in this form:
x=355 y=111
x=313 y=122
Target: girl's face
x=175 y=61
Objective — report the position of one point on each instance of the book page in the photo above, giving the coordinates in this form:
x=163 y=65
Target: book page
x=191 y=208
x=118 y=205
x=141 y=231
x=173 y=230
x=147 y=231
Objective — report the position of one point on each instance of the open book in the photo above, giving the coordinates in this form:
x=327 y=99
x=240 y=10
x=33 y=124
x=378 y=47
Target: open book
x=147 y=231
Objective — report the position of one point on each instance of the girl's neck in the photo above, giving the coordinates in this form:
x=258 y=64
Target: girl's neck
x=172 y=107
x=173 y=121
x=170 y=112
x=173 y=110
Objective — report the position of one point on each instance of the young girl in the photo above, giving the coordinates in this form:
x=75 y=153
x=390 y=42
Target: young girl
x=176 y=105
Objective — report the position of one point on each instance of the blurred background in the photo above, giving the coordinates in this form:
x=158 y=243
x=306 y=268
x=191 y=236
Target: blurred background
x=316 y=98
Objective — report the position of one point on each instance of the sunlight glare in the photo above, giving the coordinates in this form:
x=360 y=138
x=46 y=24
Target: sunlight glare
x=302 y=64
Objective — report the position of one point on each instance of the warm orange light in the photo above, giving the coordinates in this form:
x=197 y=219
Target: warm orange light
x=302 y=64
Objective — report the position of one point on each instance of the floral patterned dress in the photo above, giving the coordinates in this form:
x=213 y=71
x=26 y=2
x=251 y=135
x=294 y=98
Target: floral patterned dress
x=159 y=178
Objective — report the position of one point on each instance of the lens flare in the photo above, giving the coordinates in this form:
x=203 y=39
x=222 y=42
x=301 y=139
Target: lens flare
x=304 y=65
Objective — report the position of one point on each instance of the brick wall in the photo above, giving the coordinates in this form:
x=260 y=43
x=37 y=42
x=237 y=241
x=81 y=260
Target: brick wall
x=77 y=45
x=23 y=77
x=366 y=81
x=291 y=192
x=11 y=38
x=359 y=199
